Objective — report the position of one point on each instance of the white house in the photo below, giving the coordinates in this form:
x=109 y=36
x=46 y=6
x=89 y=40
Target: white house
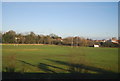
x=113 y=40
x=95 y=45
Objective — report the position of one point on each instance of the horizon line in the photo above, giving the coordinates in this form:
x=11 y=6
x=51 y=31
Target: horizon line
x=27 y=32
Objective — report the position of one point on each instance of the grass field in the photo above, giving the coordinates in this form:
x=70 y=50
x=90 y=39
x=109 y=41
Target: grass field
x=59 y=59
x=29 y=57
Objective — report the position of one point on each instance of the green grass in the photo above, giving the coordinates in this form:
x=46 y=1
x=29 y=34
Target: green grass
x=59 y=59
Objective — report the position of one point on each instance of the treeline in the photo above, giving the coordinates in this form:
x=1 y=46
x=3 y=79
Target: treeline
x=31 y=38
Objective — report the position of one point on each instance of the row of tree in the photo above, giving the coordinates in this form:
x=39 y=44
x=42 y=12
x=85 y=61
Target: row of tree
x=31 y=38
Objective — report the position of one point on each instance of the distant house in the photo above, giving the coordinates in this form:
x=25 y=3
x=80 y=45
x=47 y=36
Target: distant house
x=103 y=40
x=113 y=40
x=95 y=45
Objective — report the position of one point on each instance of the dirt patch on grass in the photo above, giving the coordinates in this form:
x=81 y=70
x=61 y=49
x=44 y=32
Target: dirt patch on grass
x=11 y=50
x=30 y=49
x=22 y=44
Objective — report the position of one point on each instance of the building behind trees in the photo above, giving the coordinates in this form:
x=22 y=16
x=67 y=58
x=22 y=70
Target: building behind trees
x=32 y=38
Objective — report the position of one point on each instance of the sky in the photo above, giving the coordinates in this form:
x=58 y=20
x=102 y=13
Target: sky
x=0 y=15
x=96 y=20
x=60 y=0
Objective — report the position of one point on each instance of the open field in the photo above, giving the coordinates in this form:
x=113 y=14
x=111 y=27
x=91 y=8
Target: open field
x=59 y=59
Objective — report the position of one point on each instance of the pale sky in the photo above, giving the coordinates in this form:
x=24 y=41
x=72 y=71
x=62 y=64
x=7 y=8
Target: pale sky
x=97 y=20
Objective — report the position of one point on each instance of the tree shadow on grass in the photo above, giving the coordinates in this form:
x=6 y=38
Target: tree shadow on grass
x=80 y=68
x=42 y=66
x=45 y=68
x=75 y=71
